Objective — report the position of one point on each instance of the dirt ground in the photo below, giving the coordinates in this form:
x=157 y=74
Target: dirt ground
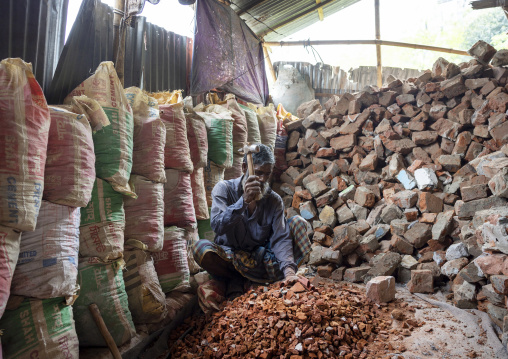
x=448 y=332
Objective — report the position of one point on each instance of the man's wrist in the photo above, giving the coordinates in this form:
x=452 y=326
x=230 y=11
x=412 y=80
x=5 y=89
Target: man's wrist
x=288 y=272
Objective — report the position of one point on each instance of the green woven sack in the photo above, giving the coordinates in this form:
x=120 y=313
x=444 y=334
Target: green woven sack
x=106 y=205
x=253 y=135
x=205 y=231
x=219 y=127
x=113 y=143
x=39 y=329
x=103 y=285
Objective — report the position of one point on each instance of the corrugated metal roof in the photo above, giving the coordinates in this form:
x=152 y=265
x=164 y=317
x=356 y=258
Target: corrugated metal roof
x=34 y=31
x=272 y=13
x=155 y=59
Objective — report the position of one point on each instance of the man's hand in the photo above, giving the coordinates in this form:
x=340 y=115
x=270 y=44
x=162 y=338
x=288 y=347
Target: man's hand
x=290 y=277
x=251 y=189
x=290 y=280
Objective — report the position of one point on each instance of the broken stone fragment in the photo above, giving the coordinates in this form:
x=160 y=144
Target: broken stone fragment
x=500 y=284
x=325 y=271
x=452 y=268
x=400 y=245
x=499 y=184
x=455 y=251
x=421 y=281
x=500 y=58
x=408 y=262
x=464 y=296
x=442 y=226
x=315 y=187
x=419 y=234
x=469 y=209
x=390 y=213
x=381 y=289
x=355 y=275
x=332 y=256
x=492 y=296
x=482 y=51
x=473 y=192
x=384 y=266
x=307 y=210
x=365 y=197
x=429 y=203
x=406 y=179
x=494 y=236
x=472 y=273
x=451 y=163
x=345 y=215
x=426 y=179
x=328 y=217
x=405 y=199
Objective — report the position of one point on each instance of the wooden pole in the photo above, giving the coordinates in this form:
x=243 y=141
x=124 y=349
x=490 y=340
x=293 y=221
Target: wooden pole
x=119 y=38
x=366 y=42
x=97 y=317
x=378 y=46
x=320 y=11
x=270 y=65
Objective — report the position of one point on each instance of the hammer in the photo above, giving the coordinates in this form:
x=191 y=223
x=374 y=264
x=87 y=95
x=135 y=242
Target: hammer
x=249 y=150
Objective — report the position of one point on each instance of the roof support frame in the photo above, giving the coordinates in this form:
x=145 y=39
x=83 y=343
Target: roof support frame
x=366 y=42
x=320 y=11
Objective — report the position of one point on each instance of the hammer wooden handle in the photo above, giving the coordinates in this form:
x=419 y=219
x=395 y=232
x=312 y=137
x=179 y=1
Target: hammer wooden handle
x=97 y=317
x=250 y=164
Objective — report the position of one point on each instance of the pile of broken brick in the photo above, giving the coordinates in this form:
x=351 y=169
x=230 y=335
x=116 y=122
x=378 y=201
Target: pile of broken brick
x=326 y=321
x=410 y=181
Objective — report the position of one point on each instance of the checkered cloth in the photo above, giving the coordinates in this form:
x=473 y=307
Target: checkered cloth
x=260 y=265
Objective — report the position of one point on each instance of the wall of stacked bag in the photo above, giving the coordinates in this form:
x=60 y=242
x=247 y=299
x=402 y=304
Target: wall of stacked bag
x=100 y=200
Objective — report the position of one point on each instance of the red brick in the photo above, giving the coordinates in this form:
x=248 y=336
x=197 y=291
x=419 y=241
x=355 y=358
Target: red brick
x=343 y=143
x=421 y=281
x=428 y=202
x=474 y=192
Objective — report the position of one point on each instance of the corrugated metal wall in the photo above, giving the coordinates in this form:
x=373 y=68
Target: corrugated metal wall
x=155 y=59
x=326 y=79
x=34 y=30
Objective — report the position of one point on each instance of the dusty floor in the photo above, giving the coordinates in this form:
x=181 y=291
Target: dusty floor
x=448 y=332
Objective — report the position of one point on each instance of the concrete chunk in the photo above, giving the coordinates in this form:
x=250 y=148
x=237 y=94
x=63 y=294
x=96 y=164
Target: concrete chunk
x=381 y=289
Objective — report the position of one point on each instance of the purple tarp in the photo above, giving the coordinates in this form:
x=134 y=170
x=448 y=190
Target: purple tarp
x=227 y=55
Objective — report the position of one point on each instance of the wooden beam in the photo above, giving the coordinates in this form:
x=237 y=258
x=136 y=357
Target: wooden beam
x=297 y=16
x=269 y=61
x=320 y=11
x=251 y=6
x=486 y=4
x=366 y=42
x=378 y=46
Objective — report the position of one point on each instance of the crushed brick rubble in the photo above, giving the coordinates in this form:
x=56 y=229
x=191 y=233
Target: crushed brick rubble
x=328 y=321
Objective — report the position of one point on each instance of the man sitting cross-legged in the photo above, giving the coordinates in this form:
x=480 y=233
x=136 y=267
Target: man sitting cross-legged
x=253 y=240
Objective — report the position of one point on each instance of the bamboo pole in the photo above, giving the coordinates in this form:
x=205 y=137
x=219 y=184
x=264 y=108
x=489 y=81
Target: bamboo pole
x=320 y=11
x=378 y=46
x=270 y=65
x=367 y=42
